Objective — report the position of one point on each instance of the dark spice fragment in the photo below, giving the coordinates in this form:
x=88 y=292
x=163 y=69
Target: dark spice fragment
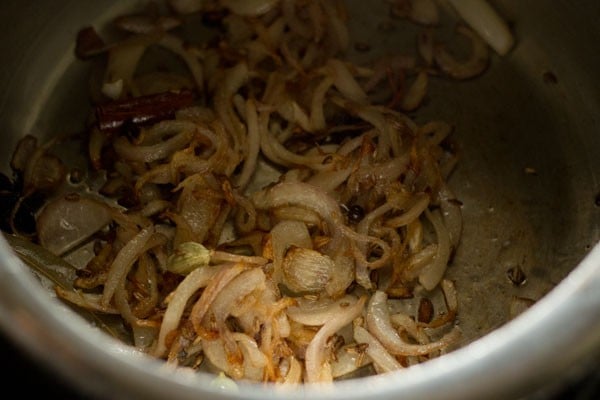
x=425 y=312
x=142 y=110
x=355 y=213
x=516 y=275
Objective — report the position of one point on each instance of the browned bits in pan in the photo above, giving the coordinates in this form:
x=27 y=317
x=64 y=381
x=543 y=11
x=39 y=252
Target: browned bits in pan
x=425 y=312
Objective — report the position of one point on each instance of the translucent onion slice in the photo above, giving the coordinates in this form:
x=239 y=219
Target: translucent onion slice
x=68 y=221
x=255 y=361
x=217 y=354
x=433 y=273
x=89 y=301
x=221 y=279
x=484 y=19
x=318 y=312
x=294 y=375
x=154 y=152
x=473 y=66
x=347 y=360
x=234 y=297
x=306 y=196
x=379 y=324
x=382 y=359
x=345 y=82
x=123 y=262
x=285 y=234
x=177 y=302
x=316 y=370
x=452 y=214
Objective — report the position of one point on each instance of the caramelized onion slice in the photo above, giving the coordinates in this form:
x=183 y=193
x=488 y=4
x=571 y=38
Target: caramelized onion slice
x=382 y=359
x=379 y=324
x=316 y=370
x=122 y=263
x=459 y=69
x=177 y=302
x=318 y=312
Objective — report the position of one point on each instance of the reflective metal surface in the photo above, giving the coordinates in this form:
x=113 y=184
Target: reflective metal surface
x=529 y=178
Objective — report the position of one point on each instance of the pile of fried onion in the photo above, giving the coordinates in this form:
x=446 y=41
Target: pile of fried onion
x=257 y=204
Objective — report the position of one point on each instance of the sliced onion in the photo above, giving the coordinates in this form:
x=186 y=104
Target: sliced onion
x=231 y=364
x=421 y=203
x=177 y=302
x=416 y=92
x=317 y=116
x=347 y=360
x=69 y=220
x=294 y=375
x=408 y=324
x=296 y=24
x=155 y=207
x=177 y=46
x=145 y=24
x=339 y=30
x=363 y=227
x=451 y=300
x=419 y=259
x=123 y=262
x=278 y=153
x=232 y=80
x=329 y=181
x=425 y=46
x=470 y=68
x=484 y=19
x=306 y=196
x=379 y=324
x=113 y=90
x=383 y=360
x=253 y=145
x=219 y=281
x=316 y=365
x=254 y=360
x=89 y=301
x=217 y=256
x=433 y=273
x=318 y=312
x=123 y=60
x=285 y=234
x=23 y=152
x=290 y=110
x=197 y=212
x=345 y=82
x=233 y=298
x=452 y=214
x=157 y=151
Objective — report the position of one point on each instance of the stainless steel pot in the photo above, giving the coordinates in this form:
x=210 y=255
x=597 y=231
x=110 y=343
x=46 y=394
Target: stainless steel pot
x=529 y=178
